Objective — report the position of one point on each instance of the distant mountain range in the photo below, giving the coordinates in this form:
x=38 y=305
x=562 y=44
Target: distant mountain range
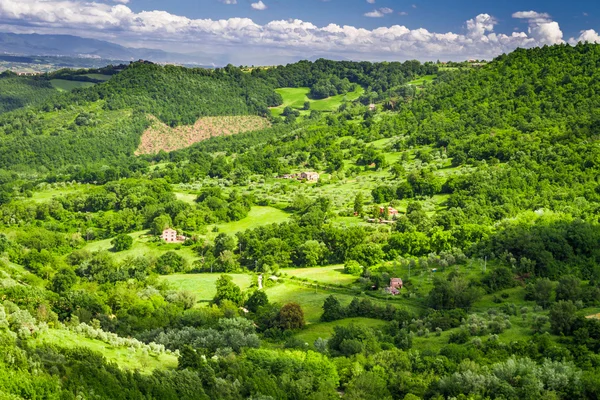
x=75 y=46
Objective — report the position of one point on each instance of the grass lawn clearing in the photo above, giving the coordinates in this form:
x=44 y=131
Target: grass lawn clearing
x=258 y=216
x=143 y=246
x=203 y=285
x=123 y=356
x=64 y=85
x=296 y=97
x=324 y=330
x=332 y=274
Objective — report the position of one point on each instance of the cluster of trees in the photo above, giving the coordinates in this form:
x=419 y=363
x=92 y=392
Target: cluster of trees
x=380 y=77
x=333 y=310
x=17 y=91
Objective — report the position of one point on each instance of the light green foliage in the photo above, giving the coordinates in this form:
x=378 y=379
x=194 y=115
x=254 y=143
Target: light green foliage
x=66 y=86
x=228 y=290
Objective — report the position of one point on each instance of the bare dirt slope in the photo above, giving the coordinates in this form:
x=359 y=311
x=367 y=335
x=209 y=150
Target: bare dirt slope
x=162 y=137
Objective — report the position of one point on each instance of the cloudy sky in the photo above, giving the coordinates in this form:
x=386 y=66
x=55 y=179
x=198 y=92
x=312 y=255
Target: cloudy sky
x=255 y=31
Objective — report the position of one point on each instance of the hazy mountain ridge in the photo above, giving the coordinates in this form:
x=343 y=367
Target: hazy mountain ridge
x=75 y=46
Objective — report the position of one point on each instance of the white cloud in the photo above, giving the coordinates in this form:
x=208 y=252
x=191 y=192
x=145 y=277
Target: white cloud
x=228 y=1
x=259 y=5
x=125 y=1
x=479 y=25
x=531 y=15
x=403 y=13
x=371 y=1
x=380 y=12
x=589 y=35
x=374 y=14
x=541 y=27
x=296 y=38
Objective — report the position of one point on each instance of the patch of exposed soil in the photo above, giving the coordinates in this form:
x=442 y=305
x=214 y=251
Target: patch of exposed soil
x=159 y=136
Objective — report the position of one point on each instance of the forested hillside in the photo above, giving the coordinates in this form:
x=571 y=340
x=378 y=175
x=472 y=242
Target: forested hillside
x=448 y=248
x=17 y=92
x=328 y=78
x=103 y=123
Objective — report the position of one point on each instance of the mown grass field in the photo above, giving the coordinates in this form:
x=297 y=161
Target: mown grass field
x=333 y=274
x=143 y=245
x=296 y=97
x=45 y=195
x=203 y=285
x=189 y=198
x=324 y=330
x=258 y=216
x=122 y=356
x=422 y=80
x=100 y=77
x=64 y=85
x=310 y=298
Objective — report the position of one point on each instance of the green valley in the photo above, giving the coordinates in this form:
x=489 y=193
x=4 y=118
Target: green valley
x=319 y=230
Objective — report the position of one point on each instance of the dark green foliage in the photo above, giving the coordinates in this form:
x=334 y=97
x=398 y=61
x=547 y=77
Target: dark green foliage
x=256 y=300
x=170 y=263
x=291 y=317
x=228 y=290
x=333 y=77
x=540 y=291
x=122 y=242
x=332 y=309
x=454 y=292
x=498 y=279
x=17 y=92
x=63 y=280
x=562 y=317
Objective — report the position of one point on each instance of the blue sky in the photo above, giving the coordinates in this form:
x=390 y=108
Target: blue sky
x=434 y=15
x=273 y=31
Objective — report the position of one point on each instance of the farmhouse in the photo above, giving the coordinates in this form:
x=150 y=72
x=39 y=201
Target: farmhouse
x=170 y=236
x=309 y=176
x=395 y=286
x=391 y=211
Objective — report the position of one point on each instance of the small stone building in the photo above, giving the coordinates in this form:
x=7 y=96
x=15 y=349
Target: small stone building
x=169 y=235
x=395 y=286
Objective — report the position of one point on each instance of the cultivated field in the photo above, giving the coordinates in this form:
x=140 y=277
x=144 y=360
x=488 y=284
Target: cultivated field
x=64 y=85
x=296 y=97
x=161 y=137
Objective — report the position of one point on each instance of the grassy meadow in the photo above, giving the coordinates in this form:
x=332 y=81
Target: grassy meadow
x=332 y=274
x=203 y=285
x=64 y=85
x=124 y=357
x=296 y=97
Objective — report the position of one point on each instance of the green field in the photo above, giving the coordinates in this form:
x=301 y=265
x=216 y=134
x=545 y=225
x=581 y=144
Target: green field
x=64 y=85
x=203 y=285
x=296 y=97
x=324 y=330
x=45 y=195
x=422 y=80
x=258 y=216
x=100 y=77
x=310 y=298
x=189 y=198
x=123 y=356
x=332 y=274
x=143 y=245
